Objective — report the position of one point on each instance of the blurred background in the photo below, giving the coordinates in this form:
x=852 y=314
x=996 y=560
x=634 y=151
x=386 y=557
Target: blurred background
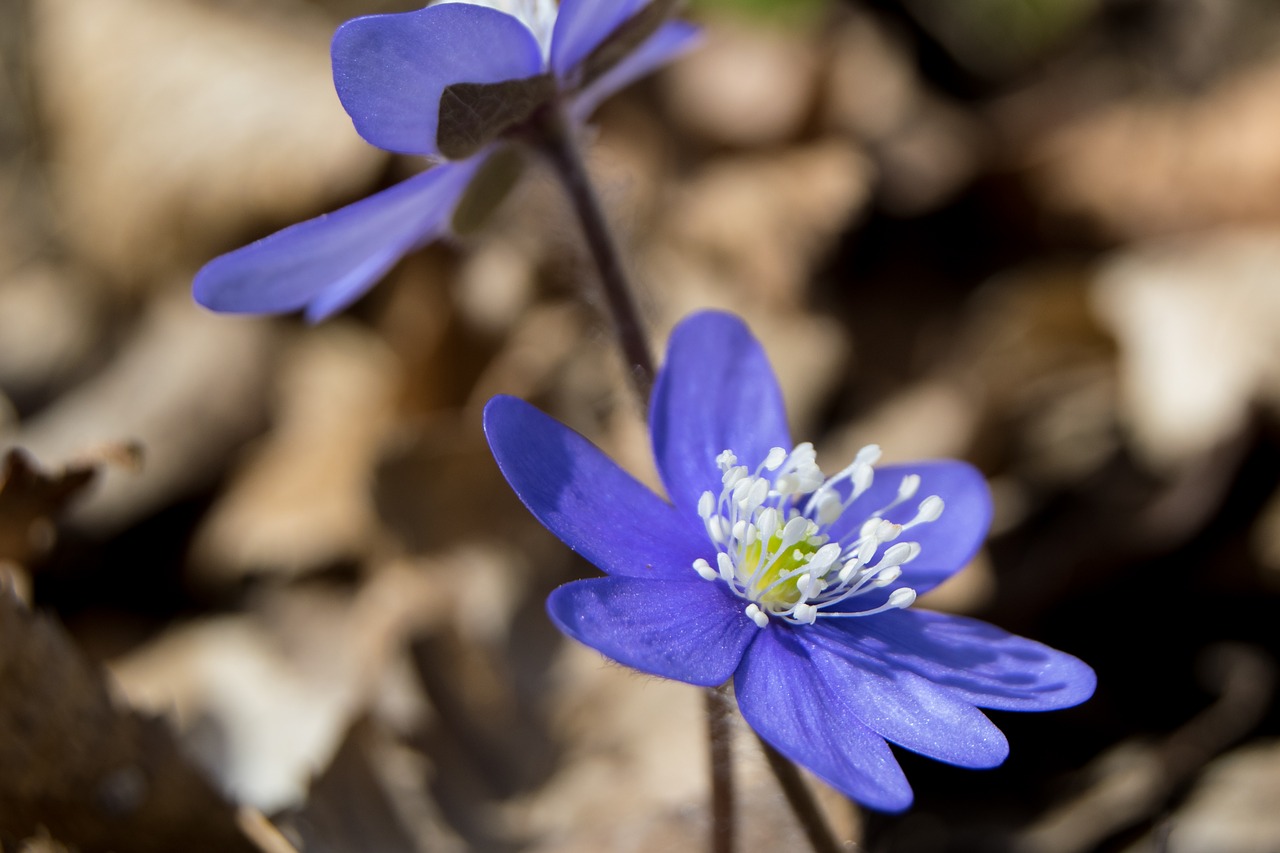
x=264 y=589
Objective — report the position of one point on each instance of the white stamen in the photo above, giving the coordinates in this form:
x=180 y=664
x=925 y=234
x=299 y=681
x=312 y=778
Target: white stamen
x=771 y=528
x=703 y=568
x=902 y=598
x=908 y=487
x=805 y=614
x=930 y=510
x=725 y=563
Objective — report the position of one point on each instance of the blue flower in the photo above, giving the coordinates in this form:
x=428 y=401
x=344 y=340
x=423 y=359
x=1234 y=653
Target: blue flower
x=795 y=585
x=453 y=82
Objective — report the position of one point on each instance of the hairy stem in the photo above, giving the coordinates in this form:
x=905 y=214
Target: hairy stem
x=561 y=148
x=719 y=737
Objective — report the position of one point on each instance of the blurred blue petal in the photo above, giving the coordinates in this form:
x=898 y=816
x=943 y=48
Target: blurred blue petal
x=326 y=263
x=689 y=631
x=390 y=70
x=663 y=46
x=582 y=25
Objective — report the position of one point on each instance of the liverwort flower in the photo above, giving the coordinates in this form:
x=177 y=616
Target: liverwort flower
x=796 y=585
x=455 y=82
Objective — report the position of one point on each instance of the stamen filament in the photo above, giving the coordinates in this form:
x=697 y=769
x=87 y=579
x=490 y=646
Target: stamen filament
x=773 y=550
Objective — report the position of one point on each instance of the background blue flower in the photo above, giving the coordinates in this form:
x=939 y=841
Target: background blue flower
x=828 y=695
x=449 y=82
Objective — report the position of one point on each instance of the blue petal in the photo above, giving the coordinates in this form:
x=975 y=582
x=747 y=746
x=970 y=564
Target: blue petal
x=580 y=495
x=716 y=392
x=663 y=46
x=328 y=262
x=975 y=661
x=691 y=631
x=790 y=703
x=947 y=544
x=897 y=704
x=390 y=70
x=582 y=25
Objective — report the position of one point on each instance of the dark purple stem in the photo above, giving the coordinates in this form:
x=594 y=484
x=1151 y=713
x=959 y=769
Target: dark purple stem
x=558 y=144
x=720 y=739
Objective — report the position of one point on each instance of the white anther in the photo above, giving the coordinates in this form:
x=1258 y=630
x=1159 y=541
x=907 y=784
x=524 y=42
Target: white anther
x=805 y=614
x=868 y=455
x=706 y=505
x=901 y=598
x=726 y=460
x=887 y=576
x=896 y=555
x=908 y=487
x=703 y=568
x=774 y=460
x=829 y=508
x=755 y=495
x=756 y=615
x=768 y=523
x=725 y=563
x=930 y=510
x=795 y=531
x=861 y=478
x=887 y=531
x=824 y=557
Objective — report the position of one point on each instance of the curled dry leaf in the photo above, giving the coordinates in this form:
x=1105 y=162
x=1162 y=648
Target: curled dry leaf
x=188 y=387
x=31 y=497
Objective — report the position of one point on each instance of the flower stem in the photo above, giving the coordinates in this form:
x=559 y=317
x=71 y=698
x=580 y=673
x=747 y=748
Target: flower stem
x=798 y=795
x=558 y=144
x=720 y=739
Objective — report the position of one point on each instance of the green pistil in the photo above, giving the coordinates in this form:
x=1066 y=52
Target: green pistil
x=775 y=589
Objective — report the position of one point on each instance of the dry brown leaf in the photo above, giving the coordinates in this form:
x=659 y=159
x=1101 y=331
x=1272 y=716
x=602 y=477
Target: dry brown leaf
x=96 y=776
x=761 y=223
x=1232 y=808
x=748 y=86
x=301 y=500
x=1197 y=320
x=29 y=500
x=1161 y=164
x=50 y=326
x=266 y=696
x=187 y=387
